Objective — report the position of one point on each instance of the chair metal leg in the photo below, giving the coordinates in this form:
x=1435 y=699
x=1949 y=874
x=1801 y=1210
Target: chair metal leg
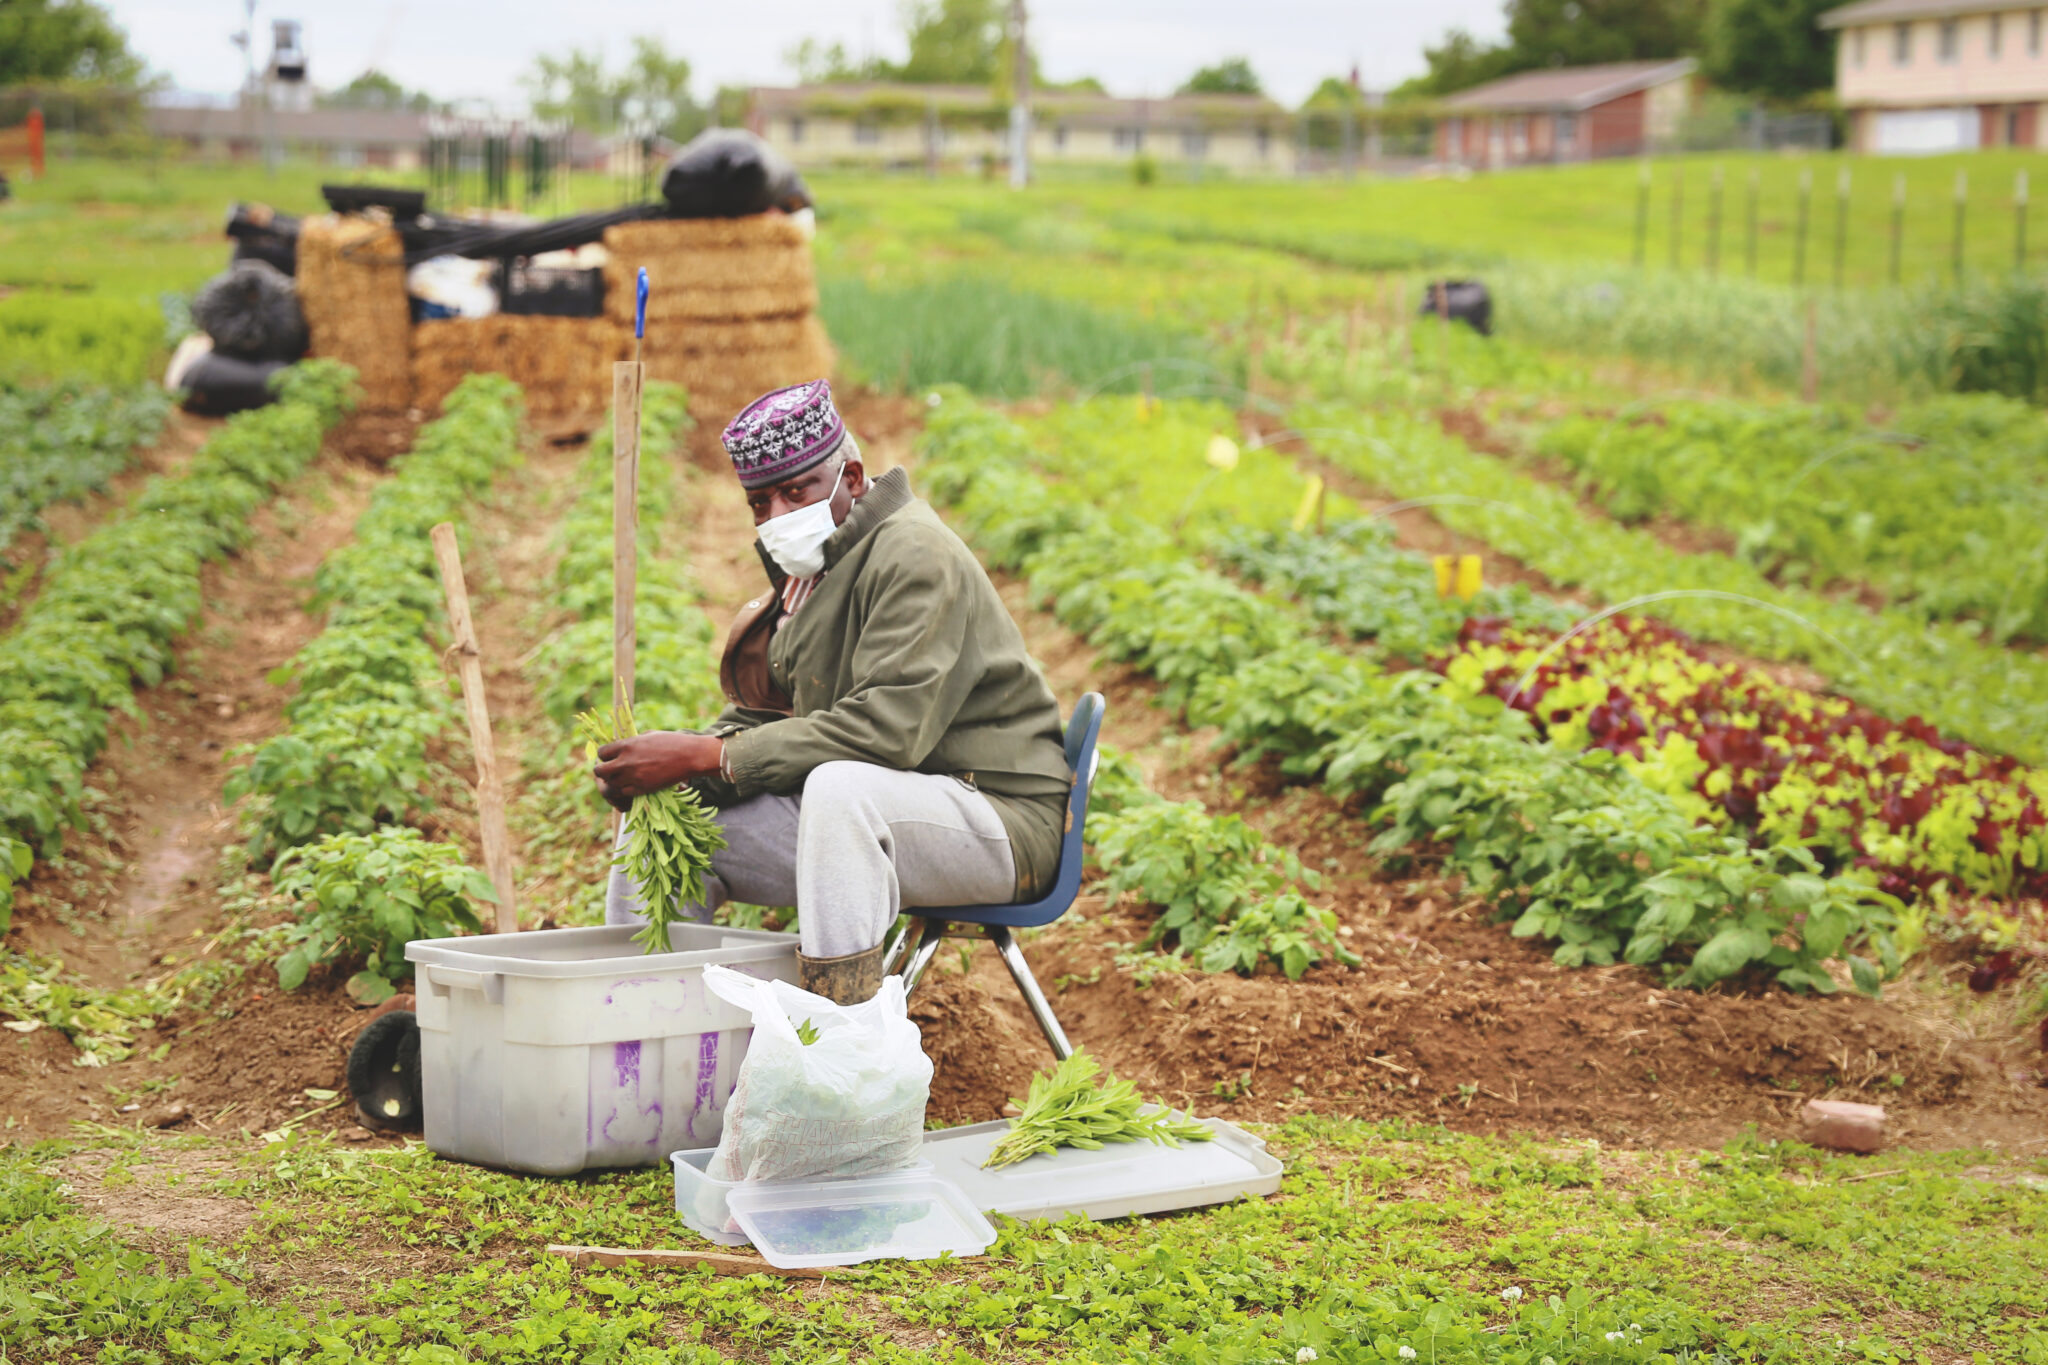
x=1034 y=998
x=934 y=931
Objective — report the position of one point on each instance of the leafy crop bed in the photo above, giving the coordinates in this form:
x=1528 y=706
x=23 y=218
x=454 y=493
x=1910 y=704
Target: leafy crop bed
x=1738 y=749
x=1620 y=871
x=1941 y=509
x=1897 y=665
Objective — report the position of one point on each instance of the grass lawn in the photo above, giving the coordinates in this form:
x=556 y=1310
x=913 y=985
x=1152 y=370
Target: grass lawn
x=1385 y=1243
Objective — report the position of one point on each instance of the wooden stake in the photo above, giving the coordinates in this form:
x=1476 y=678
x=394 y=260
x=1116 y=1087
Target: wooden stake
x=1809 y=364
x=719 y=1262
x=1443 y=327
x=1252 y=348
x=626 y=382
x=1407 y=324
x=490 y=794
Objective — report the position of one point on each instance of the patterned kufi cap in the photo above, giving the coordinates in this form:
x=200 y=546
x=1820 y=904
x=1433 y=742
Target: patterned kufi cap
x=783 y=433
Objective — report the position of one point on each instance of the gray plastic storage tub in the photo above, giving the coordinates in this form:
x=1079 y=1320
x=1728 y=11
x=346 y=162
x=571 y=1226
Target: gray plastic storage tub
x=562 y=1049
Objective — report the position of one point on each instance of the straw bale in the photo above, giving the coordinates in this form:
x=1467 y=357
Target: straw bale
x=687 y=303
x=765 y=282
x=563 y=364
x=729 y=335
x=351 y=285
x=656 y=236
x=722 y=382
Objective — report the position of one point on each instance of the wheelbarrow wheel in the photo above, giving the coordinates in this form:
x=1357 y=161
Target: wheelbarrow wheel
x=384 y=1073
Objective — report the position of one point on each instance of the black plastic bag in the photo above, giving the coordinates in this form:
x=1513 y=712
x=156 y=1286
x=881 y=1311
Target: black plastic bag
x=251 y=310
x=1467 y=300
x=261 y=233
x=730 y=173
x=216 y=385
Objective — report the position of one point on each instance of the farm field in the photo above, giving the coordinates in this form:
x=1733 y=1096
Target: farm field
x=1522 y=939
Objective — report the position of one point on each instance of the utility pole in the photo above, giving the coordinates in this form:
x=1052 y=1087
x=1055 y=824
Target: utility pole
x=1020 y=100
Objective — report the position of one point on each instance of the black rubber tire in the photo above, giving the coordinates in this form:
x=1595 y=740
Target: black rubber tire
x=384 y=1073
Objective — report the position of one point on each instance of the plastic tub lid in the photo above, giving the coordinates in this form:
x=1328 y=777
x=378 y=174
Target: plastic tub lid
x=912 y=1216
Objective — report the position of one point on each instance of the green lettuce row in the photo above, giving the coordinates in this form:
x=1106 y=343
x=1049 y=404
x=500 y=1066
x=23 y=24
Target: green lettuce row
x=1568 y=843
x=1941 y=509
x=113 y=605
x=60 y=441
x=371 y=690
x=1894 y=664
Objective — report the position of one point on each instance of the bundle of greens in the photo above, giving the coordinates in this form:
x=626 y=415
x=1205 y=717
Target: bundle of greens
x=1068 y=1109
x=670 y=837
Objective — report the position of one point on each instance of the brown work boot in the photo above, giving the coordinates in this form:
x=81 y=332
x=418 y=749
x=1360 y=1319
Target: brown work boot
x=849 y=980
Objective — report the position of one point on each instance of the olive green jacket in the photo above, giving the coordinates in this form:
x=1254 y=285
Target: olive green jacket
x=904 y=656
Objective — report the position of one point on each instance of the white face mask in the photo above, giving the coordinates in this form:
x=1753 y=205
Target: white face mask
x=796 y=540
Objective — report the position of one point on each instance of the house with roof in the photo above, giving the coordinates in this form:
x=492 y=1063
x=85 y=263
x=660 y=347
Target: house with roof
x=878 y=124
x=1940 y=75
x=1566 y=113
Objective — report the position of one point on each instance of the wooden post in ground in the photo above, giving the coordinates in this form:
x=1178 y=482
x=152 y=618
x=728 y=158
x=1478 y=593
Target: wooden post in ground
x=626 y=380
x=1407 y=323
x=1252 y=348
x=490 y=792
x=1809 y=361
x=1443 y=328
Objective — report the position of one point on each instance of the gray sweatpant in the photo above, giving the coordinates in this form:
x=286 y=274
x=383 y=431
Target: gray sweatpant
x=860 y=843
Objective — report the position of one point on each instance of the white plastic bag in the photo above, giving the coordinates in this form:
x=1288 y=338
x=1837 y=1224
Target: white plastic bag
x=850 y=1102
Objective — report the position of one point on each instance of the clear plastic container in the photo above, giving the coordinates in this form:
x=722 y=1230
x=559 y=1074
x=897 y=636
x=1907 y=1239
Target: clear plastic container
x=559 y=1050
x=912 y=1216
x=701 y=1199
x=1112 y=1181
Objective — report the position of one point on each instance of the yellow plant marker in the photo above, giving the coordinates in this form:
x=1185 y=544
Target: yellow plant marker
x=1470 y=579
x=1310 y=496
x=1445 y=567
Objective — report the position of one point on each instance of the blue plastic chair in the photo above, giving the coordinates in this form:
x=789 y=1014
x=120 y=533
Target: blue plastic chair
x=929 y=924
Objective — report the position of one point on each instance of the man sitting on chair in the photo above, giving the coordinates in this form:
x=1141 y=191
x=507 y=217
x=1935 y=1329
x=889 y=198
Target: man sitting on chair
x=888 y=741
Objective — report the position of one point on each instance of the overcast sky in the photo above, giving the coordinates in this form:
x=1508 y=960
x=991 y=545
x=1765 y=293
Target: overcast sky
x=463 y=48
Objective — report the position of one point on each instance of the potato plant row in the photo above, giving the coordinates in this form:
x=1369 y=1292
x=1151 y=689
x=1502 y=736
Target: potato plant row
x=371 y=690
x=61 y=441
x=1899 y=666
x=1941 y=509
x=1566 y=841
x=112 y=606
x=1228 y=896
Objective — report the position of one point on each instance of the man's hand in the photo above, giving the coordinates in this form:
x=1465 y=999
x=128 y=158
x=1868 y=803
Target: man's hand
x=653 y=762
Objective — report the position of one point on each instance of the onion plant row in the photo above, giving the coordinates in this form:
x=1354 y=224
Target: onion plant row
x=112 y=606
x=1567 y=842
x=1899 y=666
